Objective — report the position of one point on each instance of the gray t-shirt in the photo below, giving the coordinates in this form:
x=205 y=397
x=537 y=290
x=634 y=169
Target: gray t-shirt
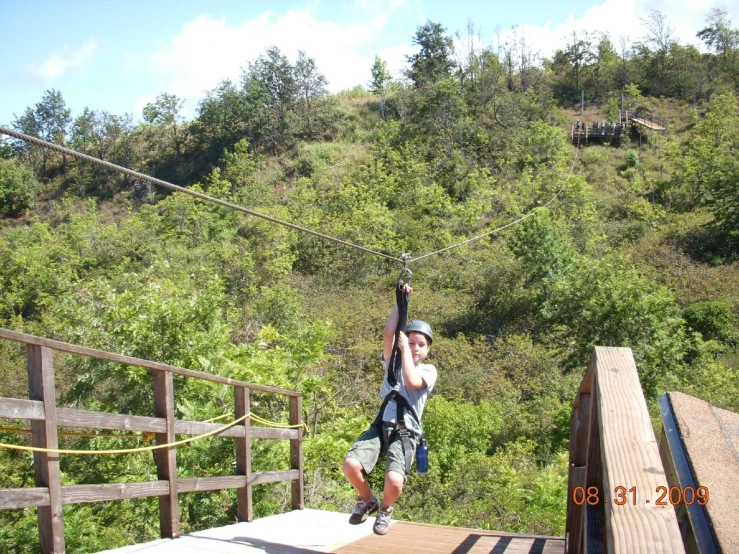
x=415 y=397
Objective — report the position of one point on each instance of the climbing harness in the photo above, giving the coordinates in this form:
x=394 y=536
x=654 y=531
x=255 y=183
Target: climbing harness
x=394 y=368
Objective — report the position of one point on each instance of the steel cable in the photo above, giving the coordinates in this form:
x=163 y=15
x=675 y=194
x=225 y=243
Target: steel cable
x=201 y=196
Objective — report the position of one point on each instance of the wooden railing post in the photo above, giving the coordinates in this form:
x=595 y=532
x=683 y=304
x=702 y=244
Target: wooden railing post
x=243 y=455
x=166 y=458
x=296 y=452
x=44 y=435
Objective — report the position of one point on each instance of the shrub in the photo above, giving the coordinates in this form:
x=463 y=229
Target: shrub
x=18 y=188
x=712 y=319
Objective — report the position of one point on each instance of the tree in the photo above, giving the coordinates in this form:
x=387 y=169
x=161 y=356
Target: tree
x=165 y=111
x=48 y=120
x=381 y=77
x=310 y=87
x=434 y=60
x=579 y=54
x=655 y=52
x=719 y=36
x=270 y=92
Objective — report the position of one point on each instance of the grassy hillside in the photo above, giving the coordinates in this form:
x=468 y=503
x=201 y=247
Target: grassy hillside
x=629 y=254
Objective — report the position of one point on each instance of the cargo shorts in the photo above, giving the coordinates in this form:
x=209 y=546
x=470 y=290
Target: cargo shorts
x=368 y=446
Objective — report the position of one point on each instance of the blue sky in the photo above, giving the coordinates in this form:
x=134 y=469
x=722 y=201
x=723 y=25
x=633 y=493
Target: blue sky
x=118 y=55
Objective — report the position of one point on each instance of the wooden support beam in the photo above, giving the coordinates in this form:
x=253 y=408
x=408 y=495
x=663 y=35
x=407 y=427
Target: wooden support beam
x=166 y=458
x=12 y=408
x=243 y=455
x=13 y=499
x=138 y=362
x=44 y=435
x=78 y=494
x=296 y=452
x=630 y=459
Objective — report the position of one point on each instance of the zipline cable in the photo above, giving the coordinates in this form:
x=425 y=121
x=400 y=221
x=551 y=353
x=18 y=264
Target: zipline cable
x=498 y=229
x=205 y=197
x=201 y=196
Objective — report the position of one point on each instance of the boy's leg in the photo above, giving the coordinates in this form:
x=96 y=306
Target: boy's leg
x=360 y=461
x=395 y=477
x=354 y=473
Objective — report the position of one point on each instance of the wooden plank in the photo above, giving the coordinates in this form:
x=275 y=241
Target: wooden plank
x=631 y=458
x=71 y=417
x=575 y=514
x=198 y=484
x=197 y=428
x=138 y=362
x=274 y=476
x=580 y=422
x=78 y=494
x=12 y=408
x=436 y=539
x=243 y=455
x=595 y=540
x=44 y=435
x=13 y=499
x=296 y=453
x=166 y=458
x=267 y=433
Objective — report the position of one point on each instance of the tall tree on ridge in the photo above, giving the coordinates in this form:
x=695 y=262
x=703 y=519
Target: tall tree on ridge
x=434 y=61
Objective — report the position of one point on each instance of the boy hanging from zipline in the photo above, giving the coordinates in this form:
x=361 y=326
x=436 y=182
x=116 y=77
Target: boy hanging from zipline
x=396 y=431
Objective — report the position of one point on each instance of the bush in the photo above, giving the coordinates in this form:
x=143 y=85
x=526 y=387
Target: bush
x=712 y=319
x=18 y=188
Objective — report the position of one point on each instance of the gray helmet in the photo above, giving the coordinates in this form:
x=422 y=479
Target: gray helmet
x=418 y=326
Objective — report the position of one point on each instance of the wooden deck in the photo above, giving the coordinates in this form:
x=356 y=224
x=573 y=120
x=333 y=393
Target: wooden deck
x=311 y=531
x=655 y=126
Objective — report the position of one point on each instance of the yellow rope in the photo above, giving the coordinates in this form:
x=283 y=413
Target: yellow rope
x=148 y=448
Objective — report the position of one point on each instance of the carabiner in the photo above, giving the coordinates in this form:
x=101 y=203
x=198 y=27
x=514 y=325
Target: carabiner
x=406 y=273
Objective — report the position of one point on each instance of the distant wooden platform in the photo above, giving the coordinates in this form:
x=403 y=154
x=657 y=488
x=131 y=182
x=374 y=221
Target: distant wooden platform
x=311 y=531
x=655 y=126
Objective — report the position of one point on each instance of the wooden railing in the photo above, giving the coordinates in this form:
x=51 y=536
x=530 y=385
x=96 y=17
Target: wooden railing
x=615 y=470
x=49 y=494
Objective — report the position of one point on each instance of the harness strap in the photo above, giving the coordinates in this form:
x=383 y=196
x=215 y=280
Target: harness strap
x=395 y=364
x=400 y=428
x=394 y=367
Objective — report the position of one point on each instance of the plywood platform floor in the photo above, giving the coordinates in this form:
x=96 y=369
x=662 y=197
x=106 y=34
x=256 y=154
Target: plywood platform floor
x=312 y=531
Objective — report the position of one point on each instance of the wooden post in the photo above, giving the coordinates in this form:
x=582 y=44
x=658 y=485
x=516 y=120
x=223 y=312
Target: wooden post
x=44 y=435
x=166 y=458
x=296 y=452
x=243 y=455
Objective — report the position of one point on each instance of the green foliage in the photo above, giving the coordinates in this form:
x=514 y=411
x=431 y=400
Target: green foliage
x=604 y=303
x=632 y=159
x=434 y=60
x=713 y=319
x=381 y=76
x=18 y=188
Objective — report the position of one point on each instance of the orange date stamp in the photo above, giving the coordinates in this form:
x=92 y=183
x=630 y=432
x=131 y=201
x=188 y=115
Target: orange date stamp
x=621 y=495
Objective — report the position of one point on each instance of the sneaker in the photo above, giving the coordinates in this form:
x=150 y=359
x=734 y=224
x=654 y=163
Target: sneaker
x=382 y=523
x=362 y=509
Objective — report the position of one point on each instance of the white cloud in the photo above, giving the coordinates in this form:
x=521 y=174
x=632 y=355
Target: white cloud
x=622 y=18
x=209 y=50
x=58 y=64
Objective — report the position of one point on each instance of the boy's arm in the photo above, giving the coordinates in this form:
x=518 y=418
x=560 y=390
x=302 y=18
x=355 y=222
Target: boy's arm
x=389 y=334
x=411 y=376
x=390 y=326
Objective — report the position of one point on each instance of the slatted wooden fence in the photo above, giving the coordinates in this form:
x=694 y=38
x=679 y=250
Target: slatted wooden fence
x=615 y=468
x=50 y=495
